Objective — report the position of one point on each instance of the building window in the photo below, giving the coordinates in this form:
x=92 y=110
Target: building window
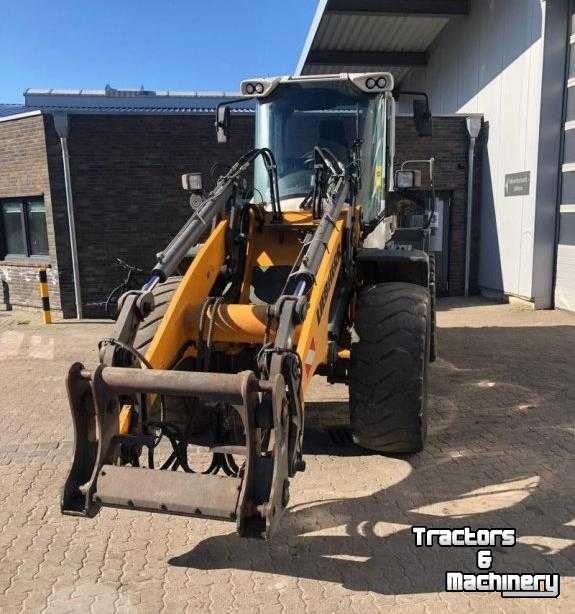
x=23 y=227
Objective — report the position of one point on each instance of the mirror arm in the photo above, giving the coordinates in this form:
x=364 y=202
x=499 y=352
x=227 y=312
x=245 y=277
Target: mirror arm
x=414 y=93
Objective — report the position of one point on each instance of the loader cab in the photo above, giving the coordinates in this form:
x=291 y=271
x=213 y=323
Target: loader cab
x=351 y=115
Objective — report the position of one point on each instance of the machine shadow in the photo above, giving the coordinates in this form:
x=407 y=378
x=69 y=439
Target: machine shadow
x=500 y=454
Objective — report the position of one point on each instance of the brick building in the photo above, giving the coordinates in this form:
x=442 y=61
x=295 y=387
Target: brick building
x=126 y=154
x=126 y=158
x=449 y=145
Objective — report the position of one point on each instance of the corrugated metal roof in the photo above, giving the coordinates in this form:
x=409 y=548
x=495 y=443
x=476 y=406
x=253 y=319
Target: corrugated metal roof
x=377 y=32
x=110 y=92
x=98 y=101
x=13 y=109
x=134 y=110
x=209 y=106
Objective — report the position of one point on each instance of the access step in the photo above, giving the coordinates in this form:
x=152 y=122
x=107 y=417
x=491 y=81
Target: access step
x=170 y=492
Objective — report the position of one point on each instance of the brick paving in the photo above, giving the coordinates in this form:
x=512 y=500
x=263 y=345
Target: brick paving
x=500 y=454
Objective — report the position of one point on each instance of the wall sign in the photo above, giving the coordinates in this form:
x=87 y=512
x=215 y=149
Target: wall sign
x=517 y=184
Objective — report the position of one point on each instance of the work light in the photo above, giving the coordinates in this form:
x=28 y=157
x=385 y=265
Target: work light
x=408 y=179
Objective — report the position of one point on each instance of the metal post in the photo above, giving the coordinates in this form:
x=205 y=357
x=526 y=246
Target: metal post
x=61 y=125
x=43 y=285
x=473 y=127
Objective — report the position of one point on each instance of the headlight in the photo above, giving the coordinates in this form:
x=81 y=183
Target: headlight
x=192 y=182
x=259 y=86
x=372 y=82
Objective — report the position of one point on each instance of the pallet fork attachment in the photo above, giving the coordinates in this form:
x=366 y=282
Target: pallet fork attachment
x=96 y=479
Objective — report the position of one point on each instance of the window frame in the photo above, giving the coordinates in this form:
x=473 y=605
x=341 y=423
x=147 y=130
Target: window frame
x=25 y=222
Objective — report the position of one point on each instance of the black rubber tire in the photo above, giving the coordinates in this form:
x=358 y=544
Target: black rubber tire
x=163 y=294
x=388 y=371
x=176 y=408
x=433 y=351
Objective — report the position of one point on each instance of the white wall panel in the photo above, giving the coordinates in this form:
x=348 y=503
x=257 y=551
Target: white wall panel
x=491 y=62
x=565 y=288
x=565 y=269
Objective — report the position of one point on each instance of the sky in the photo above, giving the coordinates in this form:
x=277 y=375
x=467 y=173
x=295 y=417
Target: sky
x=161 y=44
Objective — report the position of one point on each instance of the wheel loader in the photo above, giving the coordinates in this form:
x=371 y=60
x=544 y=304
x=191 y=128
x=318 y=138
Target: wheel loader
x=295 y=264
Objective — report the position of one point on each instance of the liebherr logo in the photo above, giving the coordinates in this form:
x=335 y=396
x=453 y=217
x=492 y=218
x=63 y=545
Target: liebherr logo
x=328 y=284
x=508 y=584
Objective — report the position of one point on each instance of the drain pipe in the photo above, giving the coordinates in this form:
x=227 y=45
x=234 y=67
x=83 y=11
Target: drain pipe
x=473 y=128
x=61 y=125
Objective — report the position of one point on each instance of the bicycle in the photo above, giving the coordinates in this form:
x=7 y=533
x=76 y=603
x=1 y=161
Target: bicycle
x=111 y=302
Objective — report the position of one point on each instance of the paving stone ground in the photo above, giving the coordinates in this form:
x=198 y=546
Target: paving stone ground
x=500 y=454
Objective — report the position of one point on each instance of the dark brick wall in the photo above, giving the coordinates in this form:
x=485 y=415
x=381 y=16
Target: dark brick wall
x=128 y=198
x=449 y=144
x=24 y=172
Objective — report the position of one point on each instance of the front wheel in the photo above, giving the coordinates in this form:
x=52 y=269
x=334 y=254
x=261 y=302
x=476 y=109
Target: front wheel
x=388 y=371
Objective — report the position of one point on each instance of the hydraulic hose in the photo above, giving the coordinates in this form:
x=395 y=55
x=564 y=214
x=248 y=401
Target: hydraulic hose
x=208 y=210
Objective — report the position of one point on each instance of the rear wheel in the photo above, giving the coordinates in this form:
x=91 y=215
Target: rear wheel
x=388 y=371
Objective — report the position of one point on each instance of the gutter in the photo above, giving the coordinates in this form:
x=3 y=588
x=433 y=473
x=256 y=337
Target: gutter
x=8 y=118
x=473 y=128
x=62 y=128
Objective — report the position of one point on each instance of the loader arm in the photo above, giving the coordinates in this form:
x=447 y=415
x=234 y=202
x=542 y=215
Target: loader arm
x=214 y=318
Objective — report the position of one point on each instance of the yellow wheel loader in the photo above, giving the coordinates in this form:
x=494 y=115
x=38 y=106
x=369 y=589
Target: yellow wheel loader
x=299 y=269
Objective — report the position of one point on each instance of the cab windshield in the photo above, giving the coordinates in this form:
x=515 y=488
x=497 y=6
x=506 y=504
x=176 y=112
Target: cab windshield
x=333 y=114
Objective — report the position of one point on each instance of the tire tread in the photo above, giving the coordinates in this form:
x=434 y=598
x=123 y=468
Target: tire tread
x=389 y=367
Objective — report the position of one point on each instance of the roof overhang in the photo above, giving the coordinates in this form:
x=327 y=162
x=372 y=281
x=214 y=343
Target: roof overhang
x=368 y=35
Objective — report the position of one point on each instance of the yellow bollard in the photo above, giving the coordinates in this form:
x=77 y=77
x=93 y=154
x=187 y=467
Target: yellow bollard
x=46 y=315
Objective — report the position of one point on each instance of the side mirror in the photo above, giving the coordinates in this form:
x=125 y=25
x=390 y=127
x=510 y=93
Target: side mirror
x=222 y=124
x=422 y=116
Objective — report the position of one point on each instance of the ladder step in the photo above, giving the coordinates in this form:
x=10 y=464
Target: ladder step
x=172 y=492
